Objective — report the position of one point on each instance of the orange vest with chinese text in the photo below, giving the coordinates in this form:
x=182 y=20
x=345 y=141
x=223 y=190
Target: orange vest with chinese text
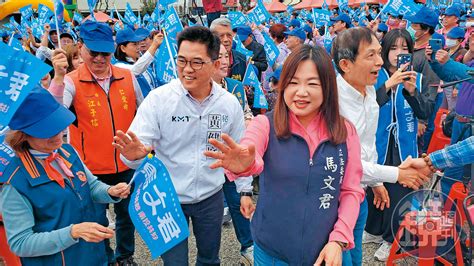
x=99 y=116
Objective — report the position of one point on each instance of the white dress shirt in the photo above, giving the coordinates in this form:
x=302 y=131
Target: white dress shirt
x=363 y=113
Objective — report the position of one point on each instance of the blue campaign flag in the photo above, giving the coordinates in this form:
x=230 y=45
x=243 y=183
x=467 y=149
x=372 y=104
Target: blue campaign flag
x=237 y=18
x=19 y=73
x=172 y=24
x=36 y=28
x=165 y=3
x=146 y=19
x=402 y=7
x=290 y=9
x=321 y=15
x=129 y=16
x=155 y=209
x=44 y=13
x=237 y=89
x=155 y=16
x=165 y=69
x=260 y=13
x=91 y=4
x=325 y=5
x=77 y=17
x=26 y=12
x=271 y=50
x=251 y=79
x=239 y=47
x=111 y=13
x=15 y=44
x=59 y=12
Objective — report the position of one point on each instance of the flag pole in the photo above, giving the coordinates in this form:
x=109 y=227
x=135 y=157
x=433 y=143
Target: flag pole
x=173 y=63
x=56 y=20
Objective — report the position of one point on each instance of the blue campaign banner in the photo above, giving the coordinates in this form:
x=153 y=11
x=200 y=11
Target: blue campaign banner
x=172 y=24
x=77 y=17
x=321 y=15
x=19 y=73
x=259 y=100
x=271 y=50
x=59 y=12
x=91 y=4
x=165 y=69
x=44 y=13
x=155 y=209
x=26 y=12
x=260 y=13
x=36 y=28
x=237 y=18
x=165 y=3
x=251 y=79
x=402 y=7
x=15 y=44
x=239 y=47
x=129 y=16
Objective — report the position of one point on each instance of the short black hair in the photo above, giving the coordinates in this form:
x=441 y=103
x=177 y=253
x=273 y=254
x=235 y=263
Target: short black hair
x=201 y=35
x=119 y=54
x=346 y=44
x=430 y=29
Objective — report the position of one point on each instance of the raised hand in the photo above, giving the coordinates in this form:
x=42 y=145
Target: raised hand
x=381 y=197
x=442 y=56
x=91 y=232
x=231 y=156
x=130 y=146
x=60 y=65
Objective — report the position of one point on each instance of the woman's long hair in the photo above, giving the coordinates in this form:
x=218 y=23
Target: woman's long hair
x=390 y=39
x=329 y=109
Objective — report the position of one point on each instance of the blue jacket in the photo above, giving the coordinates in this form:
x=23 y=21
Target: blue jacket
x=145 y=86
x=299 y=198
x=404 y=126
x=56 y=208
x=239 y=66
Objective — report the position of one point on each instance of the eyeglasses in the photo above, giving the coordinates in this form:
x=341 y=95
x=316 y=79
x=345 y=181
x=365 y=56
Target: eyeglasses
x=96 y=54
x=195 y=64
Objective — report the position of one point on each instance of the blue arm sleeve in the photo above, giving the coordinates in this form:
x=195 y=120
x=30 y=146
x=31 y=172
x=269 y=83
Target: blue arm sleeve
x=459 y=154
x=99 y=192
x=451 y=71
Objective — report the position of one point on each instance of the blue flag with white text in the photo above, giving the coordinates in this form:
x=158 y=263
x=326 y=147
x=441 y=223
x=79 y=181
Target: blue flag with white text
x=271 y=50
x=239 y=47
x=26 y=12
x=251 y=79
x=59 y=12
x=321 y=15
x=155 y=209
x=165 y=61
x=172 y=23
x=77 y=17
x=260 y=14
x=129 y=16
x=237 y=18
x=44 y=13
x=402 y=7
x=20 y=72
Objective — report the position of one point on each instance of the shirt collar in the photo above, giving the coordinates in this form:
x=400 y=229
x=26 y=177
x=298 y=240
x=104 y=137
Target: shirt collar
x=214 y=89
x=109 y=75
x=39 y=154
x=349 y=89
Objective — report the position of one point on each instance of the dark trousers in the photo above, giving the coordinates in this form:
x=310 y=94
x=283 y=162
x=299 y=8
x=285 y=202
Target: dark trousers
x=206 y=217
x=241 y=224
x=124 y=228
x=386 y=222
x=212 y=16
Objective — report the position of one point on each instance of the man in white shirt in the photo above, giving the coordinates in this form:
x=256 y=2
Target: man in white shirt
x=357 y=55
x=177 y=120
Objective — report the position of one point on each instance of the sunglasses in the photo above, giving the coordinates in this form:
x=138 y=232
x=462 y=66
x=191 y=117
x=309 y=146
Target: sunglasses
x=95 y=54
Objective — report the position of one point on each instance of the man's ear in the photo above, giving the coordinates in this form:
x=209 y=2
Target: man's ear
x=217 y=64
x=345 y=65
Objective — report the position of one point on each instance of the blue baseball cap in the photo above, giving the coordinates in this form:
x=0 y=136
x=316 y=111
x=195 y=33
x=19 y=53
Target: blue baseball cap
x=297 y=32
x=243 y=32
x=126 y=35
x=41 y=116
x=307 y=28
x=142 y=33
x=276 y=74
x=424 y=16
x=453 y=11
x=382 y=27
x=97 y=36
x=294 y=23
x=456 y=33
x=439 y=36
x=344 y=18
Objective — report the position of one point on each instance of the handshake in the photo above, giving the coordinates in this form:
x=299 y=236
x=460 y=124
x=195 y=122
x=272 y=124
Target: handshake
x=413 y=173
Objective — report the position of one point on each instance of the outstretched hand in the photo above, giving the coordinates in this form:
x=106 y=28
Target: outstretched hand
x=130 y=146
x=231 y=156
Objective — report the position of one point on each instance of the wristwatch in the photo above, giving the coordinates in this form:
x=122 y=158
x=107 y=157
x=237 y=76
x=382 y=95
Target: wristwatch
x=342 y=244
x=247 y=193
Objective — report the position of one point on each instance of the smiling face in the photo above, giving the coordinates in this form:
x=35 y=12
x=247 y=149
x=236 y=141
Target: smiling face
x=304 y=94
x=450 y=21
x=46 y=145
x=196 y=81
x=98 y=65
x=222 y=71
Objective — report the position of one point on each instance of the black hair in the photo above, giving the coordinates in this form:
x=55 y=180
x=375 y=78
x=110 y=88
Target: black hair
x=346 y=44
x=430 y=29
x=119 y=54
x=390 y=39
x=201 y=35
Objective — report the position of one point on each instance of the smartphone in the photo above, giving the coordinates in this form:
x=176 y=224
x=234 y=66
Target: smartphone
x=402 y=59
x=436 y=45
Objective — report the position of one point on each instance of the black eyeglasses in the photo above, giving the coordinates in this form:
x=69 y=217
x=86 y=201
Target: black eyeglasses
x=96 y=54
x=195 y=64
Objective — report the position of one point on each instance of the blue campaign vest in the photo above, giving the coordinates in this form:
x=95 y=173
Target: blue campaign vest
x=406 y=125
x=237 y=88
x=145 y=86
x=291 y=222
x=55 y=207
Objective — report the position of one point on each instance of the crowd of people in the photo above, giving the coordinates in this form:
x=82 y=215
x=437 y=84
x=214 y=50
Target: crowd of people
x=350 y=118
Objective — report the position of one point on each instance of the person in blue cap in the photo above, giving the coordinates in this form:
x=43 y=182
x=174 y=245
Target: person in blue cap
x=423 y=25
x=128 y=56
x=450 y=19
x=146 y=39
x=105 y=99
x=341 y=22
x=48 y=193
x=295 y=39
x=393 y=21
x=294 y=23
x=454 y=40
x=309 y=34
x=259 y=58
x=382 y=29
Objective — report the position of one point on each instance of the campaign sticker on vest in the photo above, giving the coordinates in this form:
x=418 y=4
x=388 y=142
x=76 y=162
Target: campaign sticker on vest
x=82 y=176
x=155 y=209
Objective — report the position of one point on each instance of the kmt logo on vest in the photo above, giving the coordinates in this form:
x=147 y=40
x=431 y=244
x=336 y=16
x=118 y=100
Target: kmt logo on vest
x=185 y=118
x=82 y=176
